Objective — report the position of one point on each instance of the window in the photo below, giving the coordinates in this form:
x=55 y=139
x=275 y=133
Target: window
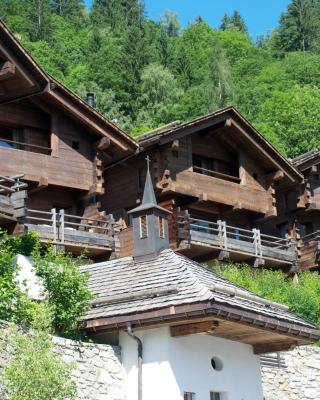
x=215 y=396
x=161 y=227
x=282 y=229
x=216 y=364
x=143 y=227
x=189 y=396
x=175 y=153
x=306 y=229
x=75 y=145
x=6 y=137
x=213 y=167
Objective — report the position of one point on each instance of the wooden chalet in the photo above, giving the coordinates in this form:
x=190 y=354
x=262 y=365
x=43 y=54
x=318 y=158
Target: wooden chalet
x=223 y=183
x=307 y=219
x=53 y=149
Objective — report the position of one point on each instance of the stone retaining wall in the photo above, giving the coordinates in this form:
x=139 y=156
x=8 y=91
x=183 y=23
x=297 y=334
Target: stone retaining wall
x=98 y=371
x=99 y=374
x=299 y=381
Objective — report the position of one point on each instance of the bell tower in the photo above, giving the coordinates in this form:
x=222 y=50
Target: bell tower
x=150 y=224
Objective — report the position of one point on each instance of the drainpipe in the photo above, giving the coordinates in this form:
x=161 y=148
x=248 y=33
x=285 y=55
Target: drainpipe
x=139 y=342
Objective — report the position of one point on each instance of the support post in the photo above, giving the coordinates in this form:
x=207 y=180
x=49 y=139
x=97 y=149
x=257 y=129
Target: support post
x=61 y=226
x=222 y=229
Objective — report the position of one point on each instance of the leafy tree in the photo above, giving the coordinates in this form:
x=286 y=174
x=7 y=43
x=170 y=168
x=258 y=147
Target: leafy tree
x=34 y=371
x=299 y=27
x=292 y=116
x=219 y=78
x=159 y=94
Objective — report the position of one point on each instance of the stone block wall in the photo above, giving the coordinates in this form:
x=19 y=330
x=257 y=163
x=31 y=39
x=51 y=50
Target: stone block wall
x=98 y=371
x=299 y=381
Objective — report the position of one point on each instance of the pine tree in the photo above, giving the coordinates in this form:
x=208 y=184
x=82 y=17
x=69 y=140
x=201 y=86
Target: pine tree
x=299 y=28
x=233 y=22
x=70 y=9
x=225 y=23
x=39 y=14
x=237 y=22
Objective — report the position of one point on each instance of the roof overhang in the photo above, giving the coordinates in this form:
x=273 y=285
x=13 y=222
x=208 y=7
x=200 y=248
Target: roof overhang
x=293 y=334
x=232 y=118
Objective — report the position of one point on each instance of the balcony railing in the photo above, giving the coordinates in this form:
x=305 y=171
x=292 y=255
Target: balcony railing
x=14 y=144
x=314 y=236
x=66 y=229
x=11 y=184
x=221 y=236
x=216 y=174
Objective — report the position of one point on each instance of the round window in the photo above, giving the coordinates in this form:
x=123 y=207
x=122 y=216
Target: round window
x=216 y=363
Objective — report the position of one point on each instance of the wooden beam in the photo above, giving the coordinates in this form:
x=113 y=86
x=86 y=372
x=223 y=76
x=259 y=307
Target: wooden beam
x=103 y=144
x=272 y=347
x=276 y=176
x=54 y=140
x=191 y=329
x=7 y=71
x=43 y=183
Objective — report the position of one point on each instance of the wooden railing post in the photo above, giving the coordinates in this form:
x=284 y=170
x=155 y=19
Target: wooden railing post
x=257 y=242
x=54 y=225
x=61 y=226
x=222 y=233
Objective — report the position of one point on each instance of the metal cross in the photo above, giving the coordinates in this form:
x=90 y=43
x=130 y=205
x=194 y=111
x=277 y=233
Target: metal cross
x=148 y=162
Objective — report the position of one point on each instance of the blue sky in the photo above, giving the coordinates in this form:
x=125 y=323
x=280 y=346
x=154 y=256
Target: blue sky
x=261 y=16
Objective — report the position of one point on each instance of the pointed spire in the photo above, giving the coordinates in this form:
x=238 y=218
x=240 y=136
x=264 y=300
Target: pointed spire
x=149 y=196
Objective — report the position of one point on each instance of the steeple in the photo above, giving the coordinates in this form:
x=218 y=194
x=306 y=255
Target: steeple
x=150 y=224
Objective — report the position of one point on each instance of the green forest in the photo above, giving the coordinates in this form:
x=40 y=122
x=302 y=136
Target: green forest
x=148 y=73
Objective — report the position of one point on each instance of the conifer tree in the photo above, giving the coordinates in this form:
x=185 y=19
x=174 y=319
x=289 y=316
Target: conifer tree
x=299 y=28
x=39 y=14
x=70 y=9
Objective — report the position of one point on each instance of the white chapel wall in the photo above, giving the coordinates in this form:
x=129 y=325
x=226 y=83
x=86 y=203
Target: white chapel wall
x=174 y=365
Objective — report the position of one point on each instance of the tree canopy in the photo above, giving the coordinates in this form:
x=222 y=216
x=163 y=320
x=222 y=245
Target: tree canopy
x=148 y=73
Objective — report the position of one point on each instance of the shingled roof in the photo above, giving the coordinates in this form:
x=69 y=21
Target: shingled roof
x=305 y=160
x=124 y=288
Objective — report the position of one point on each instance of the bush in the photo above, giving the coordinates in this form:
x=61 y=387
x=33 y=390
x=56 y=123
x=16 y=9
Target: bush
x=302 y=297
x=66 y=287
x=34 y=371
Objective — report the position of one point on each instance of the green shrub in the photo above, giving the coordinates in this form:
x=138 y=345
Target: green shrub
x=302 y=297
x=66 y=287
x=34 y=371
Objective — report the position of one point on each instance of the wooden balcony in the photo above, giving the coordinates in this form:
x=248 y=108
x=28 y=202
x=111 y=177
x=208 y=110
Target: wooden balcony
x=221 y=189
x=310 y=251
x=36 y=162
x=73 y=233
x=205 y=240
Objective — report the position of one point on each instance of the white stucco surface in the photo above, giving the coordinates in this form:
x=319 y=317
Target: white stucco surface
x=172 y=366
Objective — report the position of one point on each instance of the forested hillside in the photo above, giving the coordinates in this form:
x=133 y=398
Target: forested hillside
x=147 y=73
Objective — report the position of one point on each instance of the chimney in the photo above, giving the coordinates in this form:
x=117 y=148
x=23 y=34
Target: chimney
x=150 y=225
x=91 y=99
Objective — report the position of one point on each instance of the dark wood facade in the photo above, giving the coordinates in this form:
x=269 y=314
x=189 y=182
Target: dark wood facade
x=58 y=146
x=221 y=180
